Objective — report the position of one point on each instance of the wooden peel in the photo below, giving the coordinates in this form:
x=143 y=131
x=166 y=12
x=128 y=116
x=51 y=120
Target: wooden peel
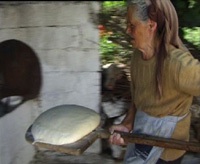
x=80 y=146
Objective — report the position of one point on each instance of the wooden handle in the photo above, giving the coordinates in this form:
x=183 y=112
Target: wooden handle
x=154 y=141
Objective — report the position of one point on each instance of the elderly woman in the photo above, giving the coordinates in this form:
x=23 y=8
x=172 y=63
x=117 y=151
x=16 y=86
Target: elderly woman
x=165 y=77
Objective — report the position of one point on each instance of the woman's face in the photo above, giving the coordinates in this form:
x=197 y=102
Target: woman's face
x=138 y=30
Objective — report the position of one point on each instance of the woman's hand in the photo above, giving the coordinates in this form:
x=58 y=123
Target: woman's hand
x=126 y=126
x=116 y=138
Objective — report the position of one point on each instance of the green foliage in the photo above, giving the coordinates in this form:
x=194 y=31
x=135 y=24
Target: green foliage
x=113 y=4
x=108 y=50
x=109 y=6
x=192 y=3
x=111 y=49
x=192 y=35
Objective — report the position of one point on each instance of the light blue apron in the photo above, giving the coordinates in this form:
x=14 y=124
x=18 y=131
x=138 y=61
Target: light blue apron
x=145 y=124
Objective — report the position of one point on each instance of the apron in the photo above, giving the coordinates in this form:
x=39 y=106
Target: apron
x=146 y=124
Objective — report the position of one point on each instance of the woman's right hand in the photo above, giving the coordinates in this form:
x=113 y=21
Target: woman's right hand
x=115 y=138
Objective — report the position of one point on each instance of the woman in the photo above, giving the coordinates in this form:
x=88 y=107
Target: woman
x=164 y=77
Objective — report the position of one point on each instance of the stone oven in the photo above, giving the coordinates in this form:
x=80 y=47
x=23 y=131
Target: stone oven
x=49 y=55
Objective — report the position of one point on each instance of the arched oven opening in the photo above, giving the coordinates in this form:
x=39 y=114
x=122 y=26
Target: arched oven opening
x=20 y=75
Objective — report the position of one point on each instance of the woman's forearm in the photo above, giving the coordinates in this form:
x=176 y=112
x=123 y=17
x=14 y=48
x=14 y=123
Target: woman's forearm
x=130 y=117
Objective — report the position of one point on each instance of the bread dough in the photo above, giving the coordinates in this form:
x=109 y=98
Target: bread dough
x=64 y=124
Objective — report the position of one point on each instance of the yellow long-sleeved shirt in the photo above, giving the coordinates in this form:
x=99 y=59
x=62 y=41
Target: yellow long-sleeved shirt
x=181 y=81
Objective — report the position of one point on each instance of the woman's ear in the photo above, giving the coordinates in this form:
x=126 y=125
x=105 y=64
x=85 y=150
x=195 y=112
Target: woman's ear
x=152 y=26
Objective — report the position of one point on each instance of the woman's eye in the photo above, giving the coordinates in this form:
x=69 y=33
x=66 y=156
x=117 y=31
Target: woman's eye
x=132 y=26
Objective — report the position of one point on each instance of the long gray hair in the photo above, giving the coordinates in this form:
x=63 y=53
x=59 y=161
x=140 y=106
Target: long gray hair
x=141 y=10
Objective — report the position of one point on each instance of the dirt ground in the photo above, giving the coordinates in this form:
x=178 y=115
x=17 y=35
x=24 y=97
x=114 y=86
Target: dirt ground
x=52 y=157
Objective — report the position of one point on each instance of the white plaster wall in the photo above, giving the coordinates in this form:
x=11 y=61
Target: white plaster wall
x=66 y=42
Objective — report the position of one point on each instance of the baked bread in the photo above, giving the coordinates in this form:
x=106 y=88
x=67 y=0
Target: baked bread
x=64 y=124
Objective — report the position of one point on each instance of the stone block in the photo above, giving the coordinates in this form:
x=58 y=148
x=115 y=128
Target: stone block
x=81 y=88
x=69 y=60
x=44 y=37
x=43 y=14
x=90 y=36
x=57 y=82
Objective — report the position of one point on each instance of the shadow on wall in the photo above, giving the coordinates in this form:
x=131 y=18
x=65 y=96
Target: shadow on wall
x=20 y=75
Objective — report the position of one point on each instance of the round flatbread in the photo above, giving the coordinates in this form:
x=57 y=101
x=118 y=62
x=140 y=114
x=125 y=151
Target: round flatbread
x=64 y=124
